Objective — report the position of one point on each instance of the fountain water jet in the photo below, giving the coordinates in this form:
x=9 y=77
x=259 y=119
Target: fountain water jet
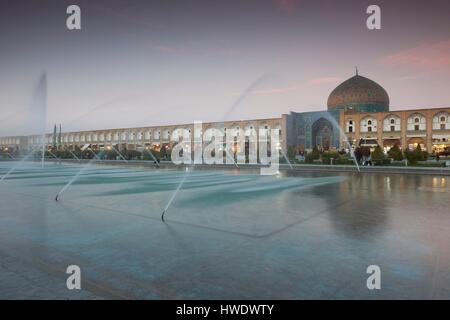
x=336 y=125
x=83 y=168
x=52 y=154
x=73 y=154
x=120 y=155
x=252 y=86
x=230 y=110
x=40 y=105
x=286 y=158
x=176 y=192
x=17 y=165
x=9 y=155
x=151 y=154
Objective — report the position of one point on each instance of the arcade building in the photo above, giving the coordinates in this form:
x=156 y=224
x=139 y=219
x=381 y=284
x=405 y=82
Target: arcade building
x=358 y=113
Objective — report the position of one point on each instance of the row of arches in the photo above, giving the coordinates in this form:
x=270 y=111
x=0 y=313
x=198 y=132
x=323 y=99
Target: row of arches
x=392 y=123
x=157 y=134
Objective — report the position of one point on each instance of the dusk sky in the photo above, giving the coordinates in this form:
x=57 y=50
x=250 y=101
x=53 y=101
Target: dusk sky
x=137 y=63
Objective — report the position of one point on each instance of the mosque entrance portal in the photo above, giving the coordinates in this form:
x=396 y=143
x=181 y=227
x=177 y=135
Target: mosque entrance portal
x=322 y=134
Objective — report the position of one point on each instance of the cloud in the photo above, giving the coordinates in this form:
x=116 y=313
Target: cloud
x=414 y=76
x=435 y=56
x=324 y=80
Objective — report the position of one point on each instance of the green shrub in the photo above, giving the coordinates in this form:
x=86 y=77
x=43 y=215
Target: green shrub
x=395 y=153
x=309 y=158
x=315 y=154
x=415 y=155
x=378 y=154
x=344 y=161
x=291 y=153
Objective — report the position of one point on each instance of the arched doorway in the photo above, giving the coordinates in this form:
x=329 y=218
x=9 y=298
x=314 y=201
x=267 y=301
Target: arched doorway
x=388 y=144
x=414 y=142
x=322 y=134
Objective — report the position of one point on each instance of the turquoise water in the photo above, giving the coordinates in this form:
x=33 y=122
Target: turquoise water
x=228 y=234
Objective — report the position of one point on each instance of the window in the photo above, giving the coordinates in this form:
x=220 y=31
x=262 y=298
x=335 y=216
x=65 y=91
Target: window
x=350 y=129
x=416 y=120
x=442 y=119
x=392 y=121
x=369 y=122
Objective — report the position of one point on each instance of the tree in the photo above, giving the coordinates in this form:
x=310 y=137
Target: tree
x=395 y=153
x=365 y=151
x=327 y=156
x=54 y=137
x=315 y=153
x=415 y=155
x=378 y=153
x=358 y=154
x=291 y=153
x=419 y=154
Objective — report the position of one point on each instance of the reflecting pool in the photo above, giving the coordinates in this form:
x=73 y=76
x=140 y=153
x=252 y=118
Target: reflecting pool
x=228 y=234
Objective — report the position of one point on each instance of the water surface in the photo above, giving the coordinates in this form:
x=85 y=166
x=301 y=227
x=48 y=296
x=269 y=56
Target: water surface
x=228 y=234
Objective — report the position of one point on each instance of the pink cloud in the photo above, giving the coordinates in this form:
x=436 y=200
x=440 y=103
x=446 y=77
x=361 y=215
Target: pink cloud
x=324 y=80
x=414 y=76
x=428 y=56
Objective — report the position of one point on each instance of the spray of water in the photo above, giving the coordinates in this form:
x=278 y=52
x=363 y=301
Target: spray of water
x=286 y=158
x=151 y=154
x=236 y=103
x=75 y=177
x=176 y=192
x=227 y=152
x=95 y=155
x=352 y=152
x=53 y=155
x=10 y=155
x=120 y=155
x=73 y=154
x=17 y=165
x=40 y=108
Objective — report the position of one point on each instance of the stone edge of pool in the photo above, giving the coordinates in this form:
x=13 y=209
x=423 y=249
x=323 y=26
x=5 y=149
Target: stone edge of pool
x=445 y=171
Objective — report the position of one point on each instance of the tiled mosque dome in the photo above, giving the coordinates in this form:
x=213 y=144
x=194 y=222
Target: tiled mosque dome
x=359 y=93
